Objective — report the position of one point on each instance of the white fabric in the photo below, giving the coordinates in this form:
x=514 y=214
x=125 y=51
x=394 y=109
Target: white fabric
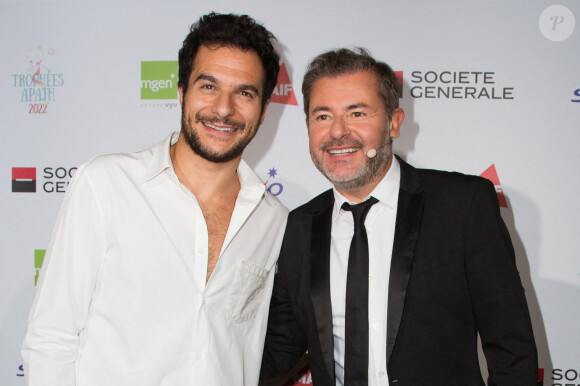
x=122 y=297
x=380 y=227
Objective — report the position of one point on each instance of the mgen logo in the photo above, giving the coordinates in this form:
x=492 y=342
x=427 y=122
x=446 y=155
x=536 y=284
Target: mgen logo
x=24 y=180
x=491 y=174
x=38 y=260
x=159 y=80
x=283 y=92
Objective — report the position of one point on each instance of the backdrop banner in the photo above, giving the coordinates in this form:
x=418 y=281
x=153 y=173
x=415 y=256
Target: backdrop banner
x=490 y=88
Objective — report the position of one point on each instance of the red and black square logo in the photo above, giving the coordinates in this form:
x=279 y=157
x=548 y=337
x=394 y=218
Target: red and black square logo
x=24 y=180
x=399 y=75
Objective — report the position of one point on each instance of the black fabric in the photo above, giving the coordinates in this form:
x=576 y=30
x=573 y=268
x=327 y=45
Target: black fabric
x=356 y=355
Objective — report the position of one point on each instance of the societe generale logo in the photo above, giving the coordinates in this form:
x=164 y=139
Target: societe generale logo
x=491 y=174
x=284 y=92
x=23 y=180
x=399 y=75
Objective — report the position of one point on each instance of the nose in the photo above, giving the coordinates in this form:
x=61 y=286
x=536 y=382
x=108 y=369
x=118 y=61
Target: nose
x=223 y=105
x=339 y=128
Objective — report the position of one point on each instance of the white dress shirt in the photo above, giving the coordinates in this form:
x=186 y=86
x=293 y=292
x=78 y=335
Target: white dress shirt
x=122 y=297
x=380 y=227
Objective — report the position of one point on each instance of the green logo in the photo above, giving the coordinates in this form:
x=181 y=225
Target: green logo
x=159 y=80
x=38 y=259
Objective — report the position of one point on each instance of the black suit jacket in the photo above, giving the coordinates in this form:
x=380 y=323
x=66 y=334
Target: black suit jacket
x=453 y=274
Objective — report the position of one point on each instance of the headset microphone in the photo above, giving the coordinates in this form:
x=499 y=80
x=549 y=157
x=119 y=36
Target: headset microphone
x=371 y=153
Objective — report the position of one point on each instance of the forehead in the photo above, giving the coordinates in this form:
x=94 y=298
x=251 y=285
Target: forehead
x=345 y=90
x=232 y=64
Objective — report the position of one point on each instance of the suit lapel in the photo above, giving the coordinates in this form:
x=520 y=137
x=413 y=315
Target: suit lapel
x=320 y=280
x=409 y=214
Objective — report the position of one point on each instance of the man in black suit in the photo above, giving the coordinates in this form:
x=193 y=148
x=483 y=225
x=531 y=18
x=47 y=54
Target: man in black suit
x=438 y=265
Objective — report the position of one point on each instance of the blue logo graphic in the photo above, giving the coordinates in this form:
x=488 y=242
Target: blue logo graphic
x=275 y=188
x=577 y=94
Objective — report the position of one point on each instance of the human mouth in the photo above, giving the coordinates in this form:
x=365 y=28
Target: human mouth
x=227 y=129
x=344 y=151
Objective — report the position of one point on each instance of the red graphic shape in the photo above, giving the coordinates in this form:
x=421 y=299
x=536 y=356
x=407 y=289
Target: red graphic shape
x=36 y=74
x=284 y=92
x=399 y=75
x=540 y=376
x=24 y=173
x=303 y=377
x=491 y=174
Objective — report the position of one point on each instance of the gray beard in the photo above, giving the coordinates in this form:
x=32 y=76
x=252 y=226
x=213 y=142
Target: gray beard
x=366 y=174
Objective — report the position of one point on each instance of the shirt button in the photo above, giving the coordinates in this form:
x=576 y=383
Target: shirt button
x=381 y=373
x=375 y=325
x=371 y=277
x=203 y=302
x=201 y=251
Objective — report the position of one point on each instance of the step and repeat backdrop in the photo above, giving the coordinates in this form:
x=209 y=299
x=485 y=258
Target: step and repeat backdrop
x=489 y=88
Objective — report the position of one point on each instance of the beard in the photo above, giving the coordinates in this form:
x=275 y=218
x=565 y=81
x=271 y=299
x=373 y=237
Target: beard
x=194 y=142
x=365 y=173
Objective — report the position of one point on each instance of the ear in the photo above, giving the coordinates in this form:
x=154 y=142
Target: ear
x=396 y=121
x=263 y=116
x=180 y=91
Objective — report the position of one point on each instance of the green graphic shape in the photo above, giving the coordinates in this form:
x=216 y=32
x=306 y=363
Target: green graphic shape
x=38 y=260
x=159 y=79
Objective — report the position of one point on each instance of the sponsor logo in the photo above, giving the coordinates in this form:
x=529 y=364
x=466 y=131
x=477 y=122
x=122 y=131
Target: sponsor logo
x=53 y=179
x=159 y=82
x=566 y=377
x=284 y=92
x=24 y=180
x=38 y=84
x=557 y=23
x=302 y=377
x=38 y=260
x=491 y=174
x=399 y=75
x=577 y=95
x=470 y=85
x=20 y=372
x=275 y=188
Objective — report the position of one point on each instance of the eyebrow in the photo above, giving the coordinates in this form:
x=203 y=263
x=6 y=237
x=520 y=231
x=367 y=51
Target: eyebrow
x=241 y=87
x=350 y=107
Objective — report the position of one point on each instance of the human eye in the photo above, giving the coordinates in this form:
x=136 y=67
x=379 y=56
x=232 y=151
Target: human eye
x=322 y=117
x=207 y=86
x=358 y=114
x=247 y=94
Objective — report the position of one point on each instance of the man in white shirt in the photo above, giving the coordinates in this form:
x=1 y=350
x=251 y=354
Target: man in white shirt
x=388 y=278
x=160 y=266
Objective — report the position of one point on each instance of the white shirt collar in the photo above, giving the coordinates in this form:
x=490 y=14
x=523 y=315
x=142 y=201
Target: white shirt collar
x=387 y=191
x=251 y=186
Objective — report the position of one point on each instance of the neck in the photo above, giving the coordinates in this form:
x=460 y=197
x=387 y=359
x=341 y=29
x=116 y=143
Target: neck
x=202 y=177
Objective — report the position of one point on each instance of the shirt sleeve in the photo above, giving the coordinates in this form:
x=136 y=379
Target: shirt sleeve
x=65 y=287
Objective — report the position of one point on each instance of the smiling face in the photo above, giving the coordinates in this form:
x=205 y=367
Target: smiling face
x=221 y=110
x=346 y=119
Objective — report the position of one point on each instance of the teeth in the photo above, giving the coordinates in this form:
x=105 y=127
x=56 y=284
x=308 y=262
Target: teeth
x=343 y=151
x=222 y=129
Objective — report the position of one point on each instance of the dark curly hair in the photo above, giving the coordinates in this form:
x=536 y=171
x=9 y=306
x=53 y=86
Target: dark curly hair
x=234 y=31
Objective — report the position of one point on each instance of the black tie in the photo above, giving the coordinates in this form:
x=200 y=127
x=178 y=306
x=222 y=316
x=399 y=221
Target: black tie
x=356 y=355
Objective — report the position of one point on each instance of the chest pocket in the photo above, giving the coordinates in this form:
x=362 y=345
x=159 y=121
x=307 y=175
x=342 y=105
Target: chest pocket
x=246 y=292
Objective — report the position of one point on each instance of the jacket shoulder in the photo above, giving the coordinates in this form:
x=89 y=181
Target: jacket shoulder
x=314 y=206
